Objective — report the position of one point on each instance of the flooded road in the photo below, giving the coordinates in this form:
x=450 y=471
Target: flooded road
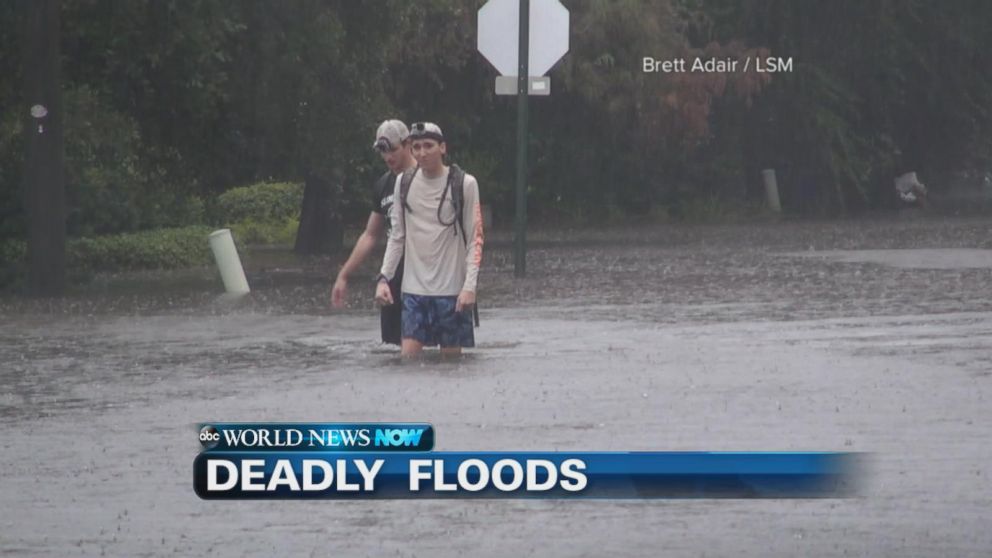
x=767 y=337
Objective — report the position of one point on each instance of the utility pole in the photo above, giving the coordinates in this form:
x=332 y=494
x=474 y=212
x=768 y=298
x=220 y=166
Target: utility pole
x=44 y=176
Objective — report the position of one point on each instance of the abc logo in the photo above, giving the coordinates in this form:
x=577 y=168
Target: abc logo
x=209 y=437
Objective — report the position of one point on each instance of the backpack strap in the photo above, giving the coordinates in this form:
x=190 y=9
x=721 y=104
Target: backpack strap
x=405 y=186
x=456 y=184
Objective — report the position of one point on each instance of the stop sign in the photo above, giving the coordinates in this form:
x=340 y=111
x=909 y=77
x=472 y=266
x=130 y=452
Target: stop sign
x=498 y=35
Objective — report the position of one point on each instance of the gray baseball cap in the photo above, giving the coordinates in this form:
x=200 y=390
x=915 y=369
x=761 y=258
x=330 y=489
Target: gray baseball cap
x=390 y=135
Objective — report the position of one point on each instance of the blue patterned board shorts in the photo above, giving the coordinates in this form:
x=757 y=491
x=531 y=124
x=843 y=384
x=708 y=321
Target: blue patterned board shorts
x=432 y=320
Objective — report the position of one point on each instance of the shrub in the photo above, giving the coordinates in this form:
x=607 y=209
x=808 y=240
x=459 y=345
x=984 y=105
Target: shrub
x=264 y=202
x=265 y=232
x=12 y=251
x=157 y=249
x=713 y=209
x=12 y=254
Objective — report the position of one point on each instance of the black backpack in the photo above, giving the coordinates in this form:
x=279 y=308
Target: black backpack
x=455 y=185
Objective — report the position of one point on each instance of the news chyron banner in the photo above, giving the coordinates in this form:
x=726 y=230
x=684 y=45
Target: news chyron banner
x=397 y=461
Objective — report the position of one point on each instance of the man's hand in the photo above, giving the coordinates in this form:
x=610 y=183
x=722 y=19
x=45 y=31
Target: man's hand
x=382 y=293
x=339 y=291
x=466 y=299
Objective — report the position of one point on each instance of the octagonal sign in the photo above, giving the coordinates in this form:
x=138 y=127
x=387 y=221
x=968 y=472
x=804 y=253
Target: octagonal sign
x=499 y=21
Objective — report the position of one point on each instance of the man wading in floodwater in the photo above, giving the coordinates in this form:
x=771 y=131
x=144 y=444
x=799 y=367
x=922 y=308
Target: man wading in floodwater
x=393 y=144
x=437 y=228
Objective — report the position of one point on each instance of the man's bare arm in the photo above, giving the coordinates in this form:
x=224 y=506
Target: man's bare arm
x=397 y=235
x=363 y=247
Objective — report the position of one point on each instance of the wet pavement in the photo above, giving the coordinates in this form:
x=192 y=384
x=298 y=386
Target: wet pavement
x=853 y=336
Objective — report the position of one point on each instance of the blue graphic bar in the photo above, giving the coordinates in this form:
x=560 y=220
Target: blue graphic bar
x=616 y=475
x=316 y=437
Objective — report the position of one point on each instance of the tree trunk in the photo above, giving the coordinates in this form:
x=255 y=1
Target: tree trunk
x=321 y=230
x=44 y=178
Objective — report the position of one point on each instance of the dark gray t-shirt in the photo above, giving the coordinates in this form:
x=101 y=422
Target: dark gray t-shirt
x=382 y=197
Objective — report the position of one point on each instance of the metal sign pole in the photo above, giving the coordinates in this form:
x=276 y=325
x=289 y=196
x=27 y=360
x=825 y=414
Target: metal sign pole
x=520 y=241
x=550 y=43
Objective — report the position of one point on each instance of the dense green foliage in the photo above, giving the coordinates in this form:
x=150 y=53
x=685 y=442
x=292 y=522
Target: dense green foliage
x=266 y=201
x=272 y=232
x=170 y=103
x=263 y=213
x=157 y=249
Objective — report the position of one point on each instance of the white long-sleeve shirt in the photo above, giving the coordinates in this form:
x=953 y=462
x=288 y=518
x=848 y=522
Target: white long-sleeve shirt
x=438 y=260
